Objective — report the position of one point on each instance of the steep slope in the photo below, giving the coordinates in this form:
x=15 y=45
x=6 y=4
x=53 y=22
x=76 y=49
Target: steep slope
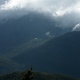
x=59 y=55
x=14 y=32
x=20 y=49
x=8 y=65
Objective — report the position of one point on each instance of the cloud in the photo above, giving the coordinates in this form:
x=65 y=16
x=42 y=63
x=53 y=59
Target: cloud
x=55 y=7
x=76 y=28
x=11 y=4
x=47 y=33
x=2 y=1
x=64 y=11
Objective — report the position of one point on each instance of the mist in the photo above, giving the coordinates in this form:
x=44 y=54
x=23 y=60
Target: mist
x=66 y=12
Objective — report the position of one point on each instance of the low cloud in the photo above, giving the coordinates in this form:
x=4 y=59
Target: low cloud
x=55 y=7
x=76 y=28
x=65 y=11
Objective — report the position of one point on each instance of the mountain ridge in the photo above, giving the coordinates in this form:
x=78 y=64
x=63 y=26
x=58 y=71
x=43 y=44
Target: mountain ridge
x=59 y=55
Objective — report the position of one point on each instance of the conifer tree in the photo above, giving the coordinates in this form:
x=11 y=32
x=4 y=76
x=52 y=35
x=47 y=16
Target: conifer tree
x=28 y=75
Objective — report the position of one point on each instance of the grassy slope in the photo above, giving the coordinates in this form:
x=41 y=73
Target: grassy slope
x=20 y=49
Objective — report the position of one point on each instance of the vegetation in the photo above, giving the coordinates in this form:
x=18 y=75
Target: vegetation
x=28 y=75
x=35 y=76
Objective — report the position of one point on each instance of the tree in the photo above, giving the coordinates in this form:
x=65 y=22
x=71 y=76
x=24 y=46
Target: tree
x=28 y=75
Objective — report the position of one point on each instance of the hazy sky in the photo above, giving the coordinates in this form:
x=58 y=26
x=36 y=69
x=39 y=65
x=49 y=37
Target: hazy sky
x=56 y=8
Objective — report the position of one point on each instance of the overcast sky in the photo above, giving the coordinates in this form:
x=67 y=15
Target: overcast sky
x=56 y=8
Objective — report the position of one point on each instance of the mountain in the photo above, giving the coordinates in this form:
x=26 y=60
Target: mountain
x=7 y=66
x=26 y=41
x=14 y=32
x=59 y=55
x=36 y=76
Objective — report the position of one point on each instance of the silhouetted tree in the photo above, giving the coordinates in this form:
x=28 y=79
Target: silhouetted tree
x=28 y=75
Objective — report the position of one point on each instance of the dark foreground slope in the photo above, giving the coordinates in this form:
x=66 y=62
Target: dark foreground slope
x=7 y=66
x=59 y=55
x=36 y=76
